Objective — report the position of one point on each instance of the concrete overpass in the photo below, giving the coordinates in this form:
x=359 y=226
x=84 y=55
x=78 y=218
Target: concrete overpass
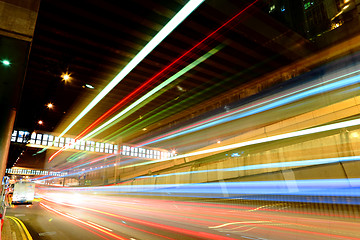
x=326 y=100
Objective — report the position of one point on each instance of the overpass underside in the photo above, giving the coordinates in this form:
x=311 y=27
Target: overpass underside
x=298 y=131
x=241 y=144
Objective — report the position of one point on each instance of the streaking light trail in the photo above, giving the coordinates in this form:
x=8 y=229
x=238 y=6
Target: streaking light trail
x=144 y=85
x=155 y=90
x=209 y=220
x=264 y=105
x=164 y=111
x=87 y=223
x=313 y=187
x=269 y=139
x=301 y=163
x=139 y=221
x=145 y=97
x=159 y=37
x=147 y=82
x=305 y=132
x=276 y=165
x=311 y=190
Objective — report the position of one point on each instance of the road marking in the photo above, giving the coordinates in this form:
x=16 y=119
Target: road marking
x=83 y=222
x=19 y=226
x=23 y=229
x=232 y=223
x=19 y=215
x=47 y=234
x=100 y=226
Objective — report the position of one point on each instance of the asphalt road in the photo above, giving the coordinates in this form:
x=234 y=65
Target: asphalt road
x=78 y=216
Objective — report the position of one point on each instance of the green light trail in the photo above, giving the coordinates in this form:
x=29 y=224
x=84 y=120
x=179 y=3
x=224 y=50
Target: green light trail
x=299 y=133
x=148 y=96
x=159 y=37
x=170 y=108
x=75 y=156
x=193 y=97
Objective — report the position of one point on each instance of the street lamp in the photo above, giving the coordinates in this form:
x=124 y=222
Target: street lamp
x=66 y=76
x=6 y=62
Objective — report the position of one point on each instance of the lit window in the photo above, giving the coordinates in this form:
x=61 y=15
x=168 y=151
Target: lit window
x=157 y=154
x=13 y=136
x=45 y=139
x=92 y=146
x=20 y=136
x=111 y=147
x=77 y=145
x=26 y=136
x=142 y=152
x=56 y=142
x=61 y=142
x=116 y=149
x=97 y=147
x=33 y=138
x=67 y=142
x=82 y=145
x=72 y=143
x=50 y=140
x=38 y=139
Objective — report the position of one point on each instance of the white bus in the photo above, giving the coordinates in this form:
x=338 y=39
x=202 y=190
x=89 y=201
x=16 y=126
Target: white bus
x=24 y=192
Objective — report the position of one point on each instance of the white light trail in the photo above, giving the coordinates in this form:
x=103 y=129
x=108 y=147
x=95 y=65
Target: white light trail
x=305 y=132
x=164 y=32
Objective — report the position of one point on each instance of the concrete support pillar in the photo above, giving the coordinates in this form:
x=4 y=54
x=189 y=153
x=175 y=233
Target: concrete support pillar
x=17 y=24
x=6 y=125
x=11 y=81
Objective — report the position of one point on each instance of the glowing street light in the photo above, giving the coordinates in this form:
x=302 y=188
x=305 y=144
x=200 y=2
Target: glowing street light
x=40 y=122
x=66 y=76
x=156 y=40
x=50 y=105
x=5 y=62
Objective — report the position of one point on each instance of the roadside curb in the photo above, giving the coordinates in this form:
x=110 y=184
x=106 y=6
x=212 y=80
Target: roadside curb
x=14 y=229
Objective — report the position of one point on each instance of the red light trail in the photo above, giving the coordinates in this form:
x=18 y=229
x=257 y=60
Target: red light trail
x=150 y=81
